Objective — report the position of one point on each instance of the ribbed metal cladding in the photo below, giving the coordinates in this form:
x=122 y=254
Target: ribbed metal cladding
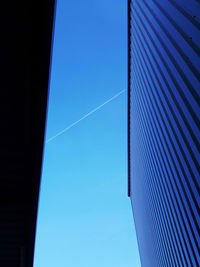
x=164 y=130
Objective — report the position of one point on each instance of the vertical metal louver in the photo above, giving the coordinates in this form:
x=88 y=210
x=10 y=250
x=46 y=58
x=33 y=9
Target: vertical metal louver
x=164 y=130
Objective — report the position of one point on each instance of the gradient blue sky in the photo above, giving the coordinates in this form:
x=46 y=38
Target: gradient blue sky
x=85 y=217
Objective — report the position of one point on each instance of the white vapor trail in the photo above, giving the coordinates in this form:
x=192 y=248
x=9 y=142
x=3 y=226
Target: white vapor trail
x=85 y=116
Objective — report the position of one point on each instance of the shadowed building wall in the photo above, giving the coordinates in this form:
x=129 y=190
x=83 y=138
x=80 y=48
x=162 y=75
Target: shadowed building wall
x=164 y=130
x=26 y=34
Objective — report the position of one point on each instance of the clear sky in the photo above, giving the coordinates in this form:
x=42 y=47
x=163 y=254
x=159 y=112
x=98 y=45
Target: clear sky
x=85 y=217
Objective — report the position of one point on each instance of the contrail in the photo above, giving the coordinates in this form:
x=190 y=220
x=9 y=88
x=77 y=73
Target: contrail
x=85 y=116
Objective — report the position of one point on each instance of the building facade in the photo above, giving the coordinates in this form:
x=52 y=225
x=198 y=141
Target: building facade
x=26 y=38
x=164 y=129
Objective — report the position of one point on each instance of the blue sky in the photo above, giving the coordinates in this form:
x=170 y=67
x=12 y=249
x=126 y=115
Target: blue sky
x=85 y=217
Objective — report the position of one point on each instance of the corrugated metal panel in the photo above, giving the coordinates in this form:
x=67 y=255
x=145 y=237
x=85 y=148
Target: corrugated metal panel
x=165 y=130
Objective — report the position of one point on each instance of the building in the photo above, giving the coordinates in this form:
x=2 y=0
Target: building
x=26 y=36
x=164 y=130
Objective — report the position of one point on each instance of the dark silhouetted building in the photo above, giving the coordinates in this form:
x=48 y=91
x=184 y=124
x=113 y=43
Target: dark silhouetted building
x=164 y=130
x=26 y=36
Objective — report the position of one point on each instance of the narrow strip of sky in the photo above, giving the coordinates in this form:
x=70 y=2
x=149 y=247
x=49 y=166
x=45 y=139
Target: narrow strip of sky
x=85 y=116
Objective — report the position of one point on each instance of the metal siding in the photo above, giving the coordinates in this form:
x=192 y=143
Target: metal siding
x=164 y=130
